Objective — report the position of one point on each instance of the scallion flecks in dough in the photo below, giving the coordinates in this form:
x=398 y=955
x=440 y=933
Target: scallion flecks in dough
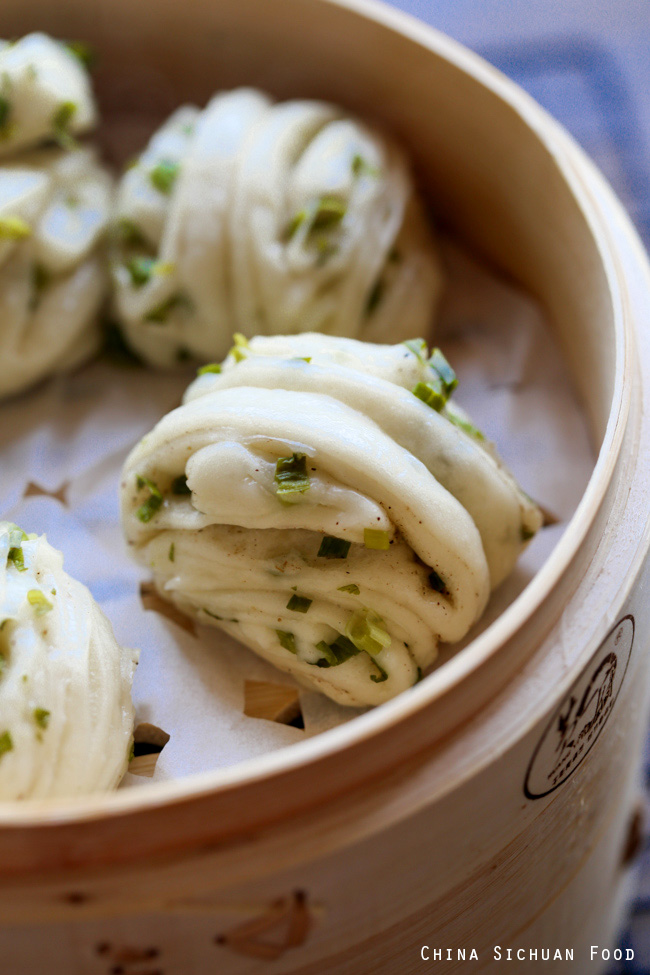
x=45 y=94
x=395 y=525
x=269 y=218
x=66 y=717
x=55 y=199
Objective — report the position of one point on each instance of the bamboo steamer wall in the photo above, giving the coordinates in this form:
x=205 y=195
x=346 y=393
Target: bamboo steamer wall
x=493 y=804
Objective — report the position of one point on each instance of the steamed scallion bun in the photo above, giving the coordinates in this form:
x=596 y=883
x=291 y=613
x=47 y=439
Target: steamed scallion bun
x=66 y=717
x=268 y=218
x=45 y=94
x=322 y=500
x=54 y=210
x=55 y=201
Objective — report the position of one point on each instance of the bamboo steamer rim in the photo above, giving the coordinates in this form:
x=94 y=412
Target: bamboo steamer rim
x=569 y=159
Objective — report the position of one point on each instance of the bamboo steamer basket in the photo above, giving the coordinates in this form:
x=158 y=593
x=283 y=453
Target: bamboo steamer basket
x=495 y=803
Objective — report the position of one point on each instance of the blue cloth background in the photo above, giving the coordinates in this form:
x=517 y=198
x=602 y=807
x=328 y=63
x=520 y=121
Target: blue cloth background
x=588 y=63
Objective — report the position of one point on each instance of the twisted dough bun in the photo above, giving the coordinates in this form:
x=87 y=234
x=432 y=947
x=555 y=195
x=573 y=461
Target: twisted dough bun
x=269 y=218
x=307 y=502
x=54 y=209
x=66 y=718
x=45 y=93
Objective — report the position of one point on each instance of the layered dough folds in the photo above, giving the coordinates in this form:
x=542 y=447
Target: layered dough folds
x=269 y=218
x=54 y=209
x=45 y=93
x=66 y=717
x=307 y=502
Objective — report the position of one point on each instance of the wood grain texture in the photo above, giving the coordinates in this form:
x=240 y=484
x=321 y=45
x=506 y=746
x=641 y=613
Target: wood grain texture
x=272 y=702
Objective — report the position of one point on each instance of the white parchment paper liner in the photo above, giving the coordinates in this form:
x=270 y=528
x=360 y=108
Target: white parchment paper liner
x=74 y=433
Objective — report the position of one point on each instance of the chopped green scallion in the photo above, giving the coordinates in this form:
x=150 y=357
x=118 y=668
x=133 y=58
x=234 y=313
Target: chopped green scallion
x=83 y=52
x=352 y=588
x=291 y=475
x=419 y=349
x=299 y=604
x=294 y=224
x=6 y=743
x=333 y=548
x=344 y=648
x=361 y=167
x=15 y=554
x=161 y=312
x=149 y=508
x=5 y=112
x=41 y=716
x=146 y=482
x=140 y=270
x=329 y=213
x=172 y=552
x=287 y=640
x=366 y=629
x=129 y=232
x=378 y=679
x=431 y=393
x=40 y=280
x=37 y=599
x=61 y=124
x=439 y=388
x=17 y=557
x=163 y=175
x=329 y=657
x=337 y=652
x=154 y=502
x=376 y=538
x=444 y=371
x=16 y=535
x=14 y=228
x=319 y=218
x=210 y=367
x=465 y=426
x=241 y=343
